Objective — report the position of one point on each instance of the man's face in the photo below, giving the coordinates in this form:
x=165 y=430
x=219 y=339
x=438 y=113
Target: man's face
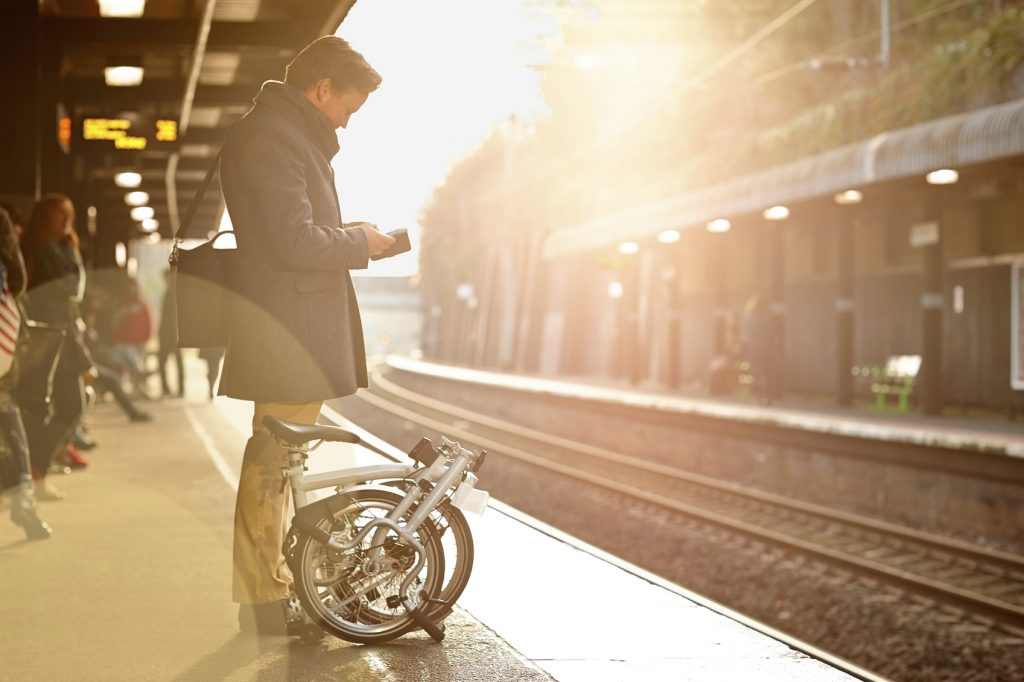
x=338 y=105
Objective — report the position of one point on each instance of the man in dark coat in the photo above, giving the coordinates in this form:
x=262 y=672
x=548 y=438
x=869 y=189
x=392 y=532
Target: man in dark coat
x=296 y=337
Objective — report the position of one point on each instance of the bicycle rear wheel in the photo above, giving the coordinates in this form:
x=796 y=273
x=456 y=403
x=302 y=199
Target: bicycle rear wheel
x=343 y=593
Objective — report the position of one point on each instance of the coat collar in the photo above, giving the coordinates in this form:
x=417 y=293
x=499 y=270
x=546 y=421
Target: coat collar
x=290 y=102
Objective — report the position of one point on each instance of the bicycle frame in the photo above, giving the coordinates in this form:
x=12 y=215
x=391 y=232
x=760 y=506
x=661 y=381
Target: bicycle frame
x=429 y=487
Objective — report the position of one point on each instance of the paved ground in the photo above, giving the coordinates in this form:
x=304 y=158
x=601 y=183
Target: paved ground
x=135 y=583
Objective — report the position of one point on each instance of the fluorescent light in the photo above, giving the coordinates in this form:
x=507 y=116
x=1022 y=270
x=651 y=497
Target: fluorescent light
x=669 y=237
x=776 y=213
x=142 y=212
x=128 y=179
x=122 y=76
x=719 y=225
x=627 y=248
x=943 y=176
x=120 y=254
x=615 y=289
x=122 y=8
x=850 y=196
x=136 y=198
x=150 y=224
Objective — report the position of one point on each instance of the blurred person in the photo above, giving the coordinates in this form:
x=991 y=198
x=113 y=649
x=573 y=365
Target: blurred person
x=296 y=339
x=168 y=338
x=17 y=221
x=15 y=479
x=109 y=381
x=212 y=357
x=56 y=282
x=132 y=328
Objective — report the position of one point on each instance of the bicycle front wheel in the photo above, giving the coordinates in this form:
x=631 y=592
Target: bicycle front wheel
x=355 y=594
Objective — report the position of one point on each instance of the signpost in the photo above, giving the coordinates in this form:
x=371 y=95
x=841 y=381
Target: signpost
x=1017 y=326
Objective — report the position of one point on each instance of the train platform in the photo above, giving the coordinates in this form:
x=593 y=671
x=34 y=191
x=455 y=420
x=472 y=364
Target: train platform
x=987 y=436
x=135 y=584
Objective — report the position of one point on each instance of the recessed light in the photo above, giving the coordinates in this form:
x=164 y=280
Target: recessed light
x=776 y=213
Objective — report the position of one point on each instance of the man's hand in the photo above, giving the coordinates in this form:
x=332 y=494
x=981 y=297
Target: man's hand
x=376 y=240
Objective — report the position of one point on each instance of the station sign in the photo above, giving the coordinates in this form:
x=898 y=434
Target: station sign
x=129 y=133
x=924 y=234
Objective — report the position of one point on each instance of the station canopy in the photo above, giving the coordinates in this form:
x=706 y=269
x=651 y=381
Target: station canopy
x=989 y=134
x=201 y=62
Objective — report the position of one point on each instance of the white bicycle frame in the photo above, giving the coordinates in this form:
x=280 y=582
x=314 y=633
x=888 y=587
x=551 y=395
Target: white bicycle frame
x=449 y=466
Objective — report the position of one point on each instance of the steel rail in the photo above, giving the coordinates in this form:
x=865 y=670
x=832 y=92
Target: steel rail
x=1002 y=611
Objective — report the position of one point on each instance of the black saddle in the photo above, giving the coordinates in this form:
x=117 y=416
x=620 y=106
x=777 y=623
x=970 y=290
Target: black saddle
x=297 y=434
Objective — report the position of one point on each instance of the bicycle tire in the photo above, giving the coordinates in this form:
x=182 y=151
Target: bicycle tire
x=337 y=601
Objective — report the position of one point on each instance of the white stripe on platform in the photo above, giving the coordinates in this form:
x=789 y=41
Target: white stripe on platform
x=212 y=450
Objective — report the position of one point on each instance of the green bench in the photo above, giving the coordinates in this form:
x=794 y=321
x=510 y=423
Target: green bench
x=896 y=378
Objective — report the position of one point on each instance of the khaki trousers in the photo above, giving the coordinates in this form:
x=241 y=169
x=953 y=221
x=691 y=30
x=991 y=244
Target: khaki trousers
x=261 y=509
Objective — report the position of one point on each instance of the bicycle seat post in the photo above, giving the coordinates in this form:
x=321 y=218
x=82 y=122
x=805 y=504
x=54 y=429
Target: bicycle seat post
x=293 y=472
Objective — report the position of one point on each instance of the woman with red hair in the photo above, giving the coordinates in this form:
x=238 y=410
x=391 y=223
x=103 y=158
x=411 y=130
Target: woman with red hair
x=56 y=282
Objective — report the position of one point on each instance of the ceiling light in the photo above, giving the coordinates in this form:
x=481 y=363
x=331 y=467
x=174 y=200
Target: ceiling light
x=153 y=238
x=669 y=237
x=627 y=248
x=719 y=225
x=120 y=254
x=122 y=8
x=615 y=289
x=943 y=176
x=142 y=212
x=136 y=198
x=122 y=76
x=849 y=197
x=150 y=224
x=128 y=179
x=776 y=213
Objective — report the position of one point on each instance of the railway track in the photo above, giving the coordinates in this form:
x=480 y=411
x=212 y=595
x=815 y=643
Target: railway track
x=982 y=582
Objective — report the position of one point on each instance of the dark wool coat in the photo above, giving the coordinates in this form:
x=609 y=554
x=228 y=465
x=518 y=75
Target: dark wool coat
x=296 y=335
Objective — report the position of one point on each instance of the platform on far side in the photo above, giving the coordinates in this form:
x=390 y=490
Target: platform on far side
x=968 y=435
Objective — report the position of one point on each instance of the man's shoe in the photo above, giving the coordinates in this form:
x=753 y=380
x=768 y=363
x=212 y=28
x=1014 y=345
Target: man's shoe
x=263 y=619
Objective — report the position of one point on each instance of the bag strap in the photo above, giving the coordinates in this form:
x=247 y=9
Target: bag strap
x=197 y=198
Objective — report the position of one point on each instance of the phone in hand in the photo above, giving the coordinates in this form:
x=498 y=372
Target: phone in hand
x=401 y=245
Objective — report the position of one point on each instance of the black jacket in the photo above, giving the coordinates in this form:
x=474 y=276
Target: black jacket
x=296 y=334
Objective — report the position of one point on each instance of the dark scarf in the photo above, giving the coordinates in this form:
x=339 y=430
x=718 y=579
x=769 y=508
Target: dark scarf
x=293 y=104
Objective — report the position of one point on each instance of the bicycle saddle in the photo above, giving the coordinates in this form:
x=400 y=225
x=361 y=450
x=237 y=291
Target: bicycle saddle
x=297 y=434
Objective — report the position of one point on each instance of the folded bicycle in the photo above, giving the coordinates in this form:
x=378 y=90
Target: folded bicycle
x=391 y=550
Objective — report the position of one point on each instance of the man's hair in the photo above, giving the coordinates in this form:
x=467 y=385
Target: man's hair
x=331 y=57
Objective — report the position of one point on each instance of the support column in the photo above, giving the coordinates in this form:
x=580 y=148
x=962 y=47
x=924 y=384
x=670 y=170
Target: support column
x=631 y=298
x=668 y=276
x=20 y=119
x=932 y=297
x=52 y=163
x=717 y=264
x=845 y=221
x=777 y=296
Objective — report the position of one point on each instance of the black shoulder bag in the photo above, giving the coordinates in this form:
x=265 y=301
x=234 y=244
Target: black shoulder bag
x=202 y=281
